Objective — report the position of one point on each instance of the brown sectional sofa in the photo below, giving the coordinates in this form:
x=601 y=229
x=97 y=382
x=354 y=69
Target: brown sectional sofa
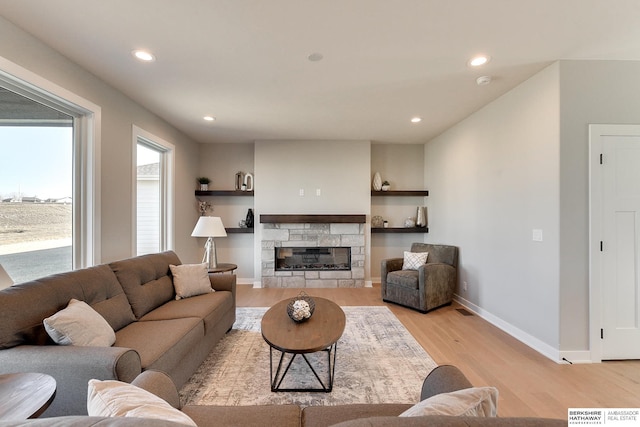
x=137 y=298
x=443 y=379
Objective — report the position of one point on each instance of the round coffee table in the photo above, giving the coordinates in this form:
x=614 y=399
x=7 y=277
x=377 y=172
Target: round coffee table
x=320 y=332
x=25 y=395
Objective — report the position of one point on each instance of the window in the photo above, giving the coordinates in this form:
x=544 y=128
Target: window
x=48 y=177
x=153 y=193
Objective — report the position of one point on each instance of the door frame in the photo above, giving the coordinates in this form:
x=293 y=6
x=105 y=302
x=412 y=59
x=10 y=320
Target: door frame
x=596 y=133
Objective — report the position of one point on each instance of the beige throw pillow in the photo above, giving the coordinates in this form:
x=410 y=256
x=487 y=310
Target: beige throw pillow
x=190 y=280
x=413 y=260
x=79 y=324
x=118 y=399
x=469 y=402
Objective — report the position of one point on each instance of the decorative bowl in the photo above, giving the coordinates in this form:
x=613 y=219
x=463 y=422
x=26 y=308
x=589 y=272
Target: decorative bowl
x=301 y=308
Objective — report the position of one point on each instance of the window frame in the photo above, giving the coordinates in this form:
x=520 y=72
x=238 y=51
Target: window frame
x=167 y=187
x=86 y=154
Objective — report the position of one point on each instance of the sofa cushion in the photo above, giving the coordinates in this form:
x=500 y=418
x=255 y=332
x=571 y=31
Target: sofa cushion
x=404 y=278
x=413 y=260
x=79 y=324
x=473 y=402
x=21 y=319
x=322 y=416
x=245 y=416
x=162 y=344
x=211 y=308
x=118 y=399
x=146 y=280
x=190 y=280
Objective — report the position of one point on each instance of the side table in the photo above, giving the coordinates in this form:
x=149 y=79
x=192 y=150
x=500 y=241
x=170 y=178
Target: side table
x=25 y=395
x=223 y=268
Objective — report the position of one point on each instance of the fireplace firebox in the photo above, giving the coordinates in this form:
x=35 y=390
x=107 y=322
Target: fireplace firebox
x=312 y=258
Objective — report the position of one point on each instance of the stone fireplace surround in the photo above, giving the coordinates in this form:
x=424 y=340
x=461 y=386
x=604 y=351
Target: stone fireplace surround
x=313 y=231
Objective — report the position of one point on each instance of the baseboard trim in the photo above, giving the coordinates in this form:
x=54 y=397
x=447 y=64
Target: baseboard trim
x=522 y=336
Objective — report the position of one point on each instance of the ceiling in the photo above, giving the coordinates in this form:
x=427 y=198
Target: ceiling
x=245 y=62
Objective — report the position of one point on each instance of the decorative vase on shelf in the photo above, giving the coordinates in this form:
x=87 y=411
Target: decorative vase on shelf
x=421 y=219
x=377 y=182
x=204 y=187
x=249 y=220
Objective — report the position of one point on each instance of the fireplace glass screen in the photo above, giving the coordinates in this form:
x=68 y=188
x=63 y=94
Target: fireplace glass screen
x=315 y=258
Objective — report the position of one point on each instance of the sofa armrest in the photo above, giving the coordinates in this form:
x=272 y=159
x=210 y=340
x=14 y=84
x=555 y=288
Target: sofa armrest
x=443 y=379
x=223 y=282
x=72 y=367
x=160 y=384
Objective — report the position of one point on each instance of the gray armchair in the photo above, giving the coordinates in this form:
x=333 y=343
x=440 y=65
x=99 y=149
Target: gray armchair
x=429 y=287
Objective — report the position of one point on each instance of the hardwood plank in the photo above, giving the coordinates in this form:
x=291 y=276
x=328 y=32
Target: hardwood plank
x=528 y=382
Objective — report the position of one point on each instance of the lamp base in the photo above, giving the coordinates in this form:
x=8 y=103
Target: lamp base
x=210 y=256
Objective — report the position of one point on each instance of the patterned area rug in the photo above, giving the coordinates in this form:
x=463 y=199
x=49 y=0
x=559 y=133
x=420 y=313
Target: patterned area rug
x=378 y=361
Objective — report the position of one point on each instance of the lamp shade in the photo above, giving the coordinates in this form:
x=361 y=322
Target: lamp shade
x=209 y=226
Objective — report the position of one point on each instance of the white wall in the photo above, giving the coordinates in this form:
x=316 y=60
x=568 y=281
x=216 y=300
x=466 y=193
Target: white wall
x=119 y=114
x=492 y=179
x=590 y=92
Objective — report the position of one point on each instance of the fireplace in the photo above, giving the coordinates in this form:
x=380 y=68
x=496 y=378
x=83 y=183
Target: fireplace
x=312 y=259
x=312 y=251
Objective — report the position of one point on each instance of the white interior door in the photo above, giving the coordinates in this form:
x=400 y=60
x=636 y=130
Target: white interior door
x=620 y=249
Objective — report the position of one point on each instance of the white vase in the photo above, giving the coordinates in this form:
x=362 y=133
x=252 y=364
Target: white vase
x=377 y=182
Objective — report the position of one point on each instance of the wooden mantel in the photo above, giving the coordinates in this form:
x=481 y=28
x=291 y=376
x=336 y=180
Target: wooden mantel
x=312 y=219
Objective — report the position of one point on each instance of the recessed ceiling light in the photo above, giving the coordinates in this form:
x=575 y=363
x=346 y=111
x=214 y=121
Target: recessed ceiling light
x=143 y=55
x=479 y=60
x=416 y=120
x=209 y=118
x=315 y=57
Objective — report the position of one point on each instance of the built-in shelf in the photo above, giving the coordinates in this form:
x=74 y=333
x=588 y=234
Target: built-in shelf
x=224 y=193
x=400 y=230
x=238 y=230
x=411 y=193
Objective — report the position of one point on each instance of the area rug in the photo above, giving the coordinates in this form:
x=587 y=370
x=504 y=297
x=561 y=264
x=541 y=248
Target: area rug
x=377 y=361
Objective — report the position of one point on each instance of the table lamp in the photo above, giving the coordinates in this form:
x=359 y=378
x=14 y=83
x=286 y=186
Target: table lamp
x=209 y=227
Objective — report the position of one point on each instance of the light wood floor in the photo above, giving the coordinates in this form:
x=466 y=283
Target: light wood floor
x=529 y=383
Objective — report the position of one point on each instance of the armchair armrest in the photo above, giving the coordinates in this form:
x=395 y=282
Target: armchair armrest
x=440 y=279
x=387 y=266
x=72 y=367
x=443 y=379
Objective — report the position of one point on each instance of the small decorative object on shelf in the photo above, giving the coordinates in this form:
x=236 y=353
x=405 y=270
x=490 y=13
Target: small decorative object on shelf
x=376 y=221
x=249 y=220
x=301 y=307
x=409 y=222
x=203 y=207
x=204 y=183
x=386 y=186
x=385 y=224
x=239 y=180
x=247 y=184
x=377 y=182
x=421 y=219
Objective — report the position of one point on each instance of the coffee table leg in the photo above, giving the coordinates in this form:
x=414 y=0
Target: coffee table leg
x=278 y=377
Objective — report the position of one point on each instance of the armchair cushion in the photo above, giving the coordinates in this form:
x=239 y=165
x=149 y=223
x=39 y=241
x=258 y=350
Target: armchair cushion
x=404 y=278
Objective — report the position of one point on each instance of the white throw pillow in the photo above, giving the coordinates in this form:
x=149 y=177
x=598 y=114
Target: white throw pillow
x=118 y=399
x=79 y=324
x=190 y=280
x=413 y=260
x=469 y=402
